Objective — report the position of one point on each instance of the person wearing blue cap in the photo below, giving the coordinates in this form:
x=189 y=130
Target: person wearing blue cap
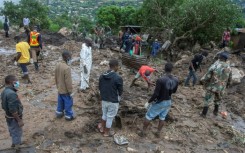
x=215 y=82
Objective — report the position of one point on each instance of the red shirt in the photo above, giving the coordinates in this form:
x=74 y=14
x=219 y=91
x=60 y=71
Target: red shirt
x=227 y=36
x=143 y=69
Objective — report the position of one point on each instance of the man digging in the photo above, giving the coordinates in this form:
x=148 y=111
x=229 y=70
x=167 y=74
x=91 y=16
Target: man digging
x=144 y=72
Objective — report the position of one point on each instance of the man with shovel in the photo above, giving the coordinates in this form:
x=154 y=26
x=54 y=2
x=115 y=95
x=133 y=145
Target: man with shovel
x=111 y=88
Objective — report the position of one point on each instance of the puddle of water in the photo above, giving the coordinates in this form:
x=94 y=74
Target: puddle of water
x=4 y=51
x=239 y=124
x=75 y=74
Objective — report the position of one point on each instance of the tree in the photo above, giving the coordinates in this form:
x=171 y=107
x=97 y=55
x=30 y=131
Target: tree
x=196 y=20
x=109 y=16
x=26 y=8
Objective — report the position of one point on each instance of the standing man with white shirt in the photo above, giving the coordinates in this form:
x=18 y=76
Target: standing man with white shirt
x=26 y=22
x=86 y=64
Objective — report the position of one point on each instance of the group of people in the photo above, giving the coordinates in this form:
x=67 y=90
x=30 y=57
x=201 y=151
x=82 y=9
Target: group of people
x=28 y=52
x=130 y=43
x=111 y=85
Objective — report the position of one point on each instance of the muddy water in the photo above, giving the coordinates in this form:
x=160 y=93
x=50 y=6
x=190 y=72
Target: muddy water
x=4 y=51
x=239 y=124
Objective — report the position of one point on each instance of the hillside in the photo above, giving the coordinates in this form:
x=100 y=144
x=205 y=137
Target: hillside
x=86 y=8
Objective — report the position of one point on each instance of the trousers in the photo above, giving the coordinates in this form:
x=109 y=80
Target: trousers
x=15 y=131
x=65 y=103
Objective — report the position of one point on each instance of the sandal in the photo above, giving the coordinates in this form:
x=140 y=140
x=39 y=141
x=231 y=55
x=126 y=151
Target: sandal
x=100 y=128
x=111 y=134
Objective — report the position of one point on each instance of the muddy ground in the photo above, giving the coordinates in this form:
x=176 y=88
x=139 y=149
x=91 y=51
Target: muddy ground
x=189 y=133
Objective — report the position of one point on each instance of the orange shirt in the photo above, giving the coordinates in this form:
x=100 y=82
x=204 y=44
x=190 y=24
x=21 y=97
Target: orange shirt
x=143 y=69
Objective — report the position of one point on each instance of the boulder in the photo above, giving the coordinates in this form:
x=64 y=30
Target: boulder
x=65 y=31
x=184 y=60
x=196 y=48
x=237 y=75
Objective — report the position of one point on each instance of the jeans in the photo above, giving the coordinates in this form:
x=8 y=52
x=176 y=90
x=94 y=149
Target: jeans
x=109 y=110
x=15 y=131
x=65 y=102
x=191 y=74
x=23 y=67
x=159 y=108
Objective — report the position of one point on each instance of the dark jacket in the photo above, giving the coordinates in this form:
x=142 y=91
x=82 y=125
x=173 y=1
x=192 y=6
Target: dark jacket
x=6 y=26
x=110 y=86
x=196 y=61
x=10 y=102
x=165 y=87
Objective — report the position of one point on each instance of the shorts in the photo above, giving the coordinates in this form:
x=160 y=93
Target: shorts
x=160 y=109
x=23 y=67
x=109 y=109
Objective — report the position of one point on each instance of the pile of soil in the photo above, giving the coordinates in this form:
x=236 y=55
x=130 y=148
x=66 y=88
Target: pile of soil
x=188 y=132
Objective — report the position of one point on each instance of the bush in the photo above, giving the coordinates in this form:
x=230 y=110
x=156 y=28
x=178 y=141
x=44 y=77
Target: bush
x=26 y=8
x=1 y=25
x=54 y=27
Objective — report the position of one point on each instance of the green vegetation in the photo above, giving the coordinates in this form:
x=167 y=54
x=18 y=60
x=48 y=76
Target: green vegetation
x=26 y=8
x=191 y=20
x=1 y=25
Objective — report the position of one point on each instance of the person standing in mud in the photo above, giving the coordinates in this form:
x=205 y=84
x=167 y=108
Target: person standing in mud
x=126 y=37
x=226 y=38
x=100 y=34
x=35 y=41
x=75 y=31
x=111 y=89
x=63 y=82
x=137 y=45
x=86 y=64
x=215 y=82
x=194 y=66
x=6 y=27
x=155 y=48
x=23 y=57
x=13 y=108
x=26 y=22
x=161 y=100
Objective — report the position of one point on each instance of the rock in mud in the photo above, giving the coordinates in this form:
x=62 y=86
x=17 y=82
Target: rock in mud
x=132 y=150
x=65 y=31
x=237 y=75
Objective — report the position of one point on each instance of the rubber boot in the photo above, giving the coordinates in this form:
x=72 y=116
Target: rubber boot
x=204 y=112
x=216 y=110
x=36 y=66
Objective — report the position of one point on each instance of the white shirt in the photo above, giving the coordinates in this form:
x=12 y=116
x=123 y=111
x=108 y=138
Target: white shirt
x=26 y=21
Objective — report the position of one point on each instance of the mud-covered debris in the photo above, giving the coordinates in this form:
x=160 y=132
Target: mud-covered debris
x=129 y=149
x=121 y=140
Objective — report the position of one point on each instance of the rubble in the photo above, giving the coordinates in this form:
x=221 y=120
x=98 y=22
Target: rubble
x=237 y=75
x=188 y=133
x=65 y=31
